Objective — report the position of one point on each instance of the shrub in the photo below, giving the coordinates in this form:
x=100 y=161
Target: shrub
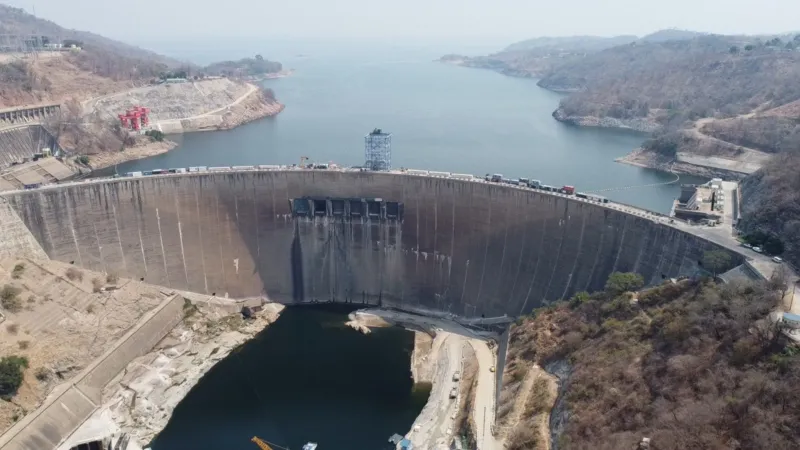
x=112 y=278
x=9 y=298
x=19 y=269
x=97 y=285
x=12 y=328
x=619 y=282
x=716 y=261
x=155 y=135
x=11 y=374
x=42 y=374
x=74 y=274
x=24 y=345
x=83 y=159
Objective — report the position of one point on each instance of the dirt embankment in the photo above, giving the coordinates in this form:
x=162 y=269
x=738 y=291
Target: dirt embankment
x=651 y=160
x=102 y=160
x=256 y=106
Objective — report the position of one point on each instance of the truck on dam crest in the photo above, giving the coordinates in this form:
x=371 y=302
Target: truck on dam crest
x=407 y=239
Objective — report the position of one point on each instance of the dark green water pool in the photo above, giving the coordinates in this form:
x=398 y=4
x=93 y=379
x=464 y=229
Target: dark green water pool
x=307 y=377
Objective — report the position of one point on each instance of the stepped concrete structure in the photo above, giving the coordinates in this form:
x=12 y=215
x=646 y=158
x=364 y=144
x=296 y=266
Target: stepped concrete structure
x=27 y=114
x=19 y=143
x=463 y=247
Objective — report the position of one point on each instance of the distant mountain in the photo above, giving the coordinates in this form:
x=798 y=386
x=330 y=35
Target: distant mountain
x=671 y=35
x=244 y=68
x=571 y=43
x=538 y=56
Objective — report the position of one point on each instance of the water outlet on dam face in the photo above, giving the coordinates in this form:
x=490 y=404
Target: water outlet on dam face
x=372 y=209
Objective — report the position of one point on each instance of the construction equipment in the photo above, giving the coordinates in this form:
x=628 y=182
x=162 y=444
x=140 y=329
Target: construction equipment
x=302 y=160
x=260 y=443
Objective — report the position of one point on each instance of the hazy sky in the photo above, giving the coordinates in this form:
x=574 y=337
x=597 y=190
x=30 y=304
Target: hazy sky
x=138 y=20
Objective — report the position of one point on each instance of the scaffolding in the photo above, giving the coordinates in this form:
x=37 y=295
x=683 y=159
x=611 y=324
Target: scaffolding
x=378 y=150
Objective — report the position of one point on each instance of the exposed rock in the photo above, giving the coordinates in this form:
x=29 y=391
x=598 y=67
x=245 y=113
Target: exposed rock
x=636 y=124
x=141 y=403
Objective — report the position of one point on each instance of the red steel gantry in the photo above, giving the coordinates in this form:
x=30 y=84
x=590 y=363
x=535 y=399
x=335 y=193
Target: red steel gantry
x=135 y=118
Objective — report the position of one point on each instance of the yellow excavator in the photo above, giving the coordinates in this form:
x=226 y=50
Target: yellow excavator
x=260 y=443
x=264 y=446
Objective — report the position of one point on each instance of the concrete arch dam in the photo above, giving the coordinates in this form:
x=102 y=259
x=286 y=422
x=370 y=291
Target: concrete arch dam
x=469 y=248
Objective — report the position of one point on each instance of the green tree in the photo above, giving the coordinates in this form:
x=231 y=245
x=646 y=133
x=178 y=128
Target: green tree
x=619 y=282
x=734 y=49
x=11 y=374
x=749 y=47
x=716 y=261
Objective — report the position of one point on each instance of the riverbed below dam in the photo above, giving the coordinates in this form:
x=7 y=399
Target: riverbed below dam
x=470 y=248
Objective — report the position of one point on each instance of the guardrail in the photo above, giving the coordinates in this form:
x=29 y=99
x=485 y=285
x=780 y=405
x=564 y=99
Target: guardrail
x=194 y=170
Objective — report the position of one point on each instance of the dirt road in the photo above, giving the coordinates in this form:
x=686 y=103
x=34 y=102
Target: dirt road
x=434 y=427
x=484 y=407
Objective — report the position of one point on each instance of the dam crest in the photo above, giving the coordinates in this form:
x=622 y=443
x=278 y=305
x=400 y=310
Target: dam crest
x=465 y=247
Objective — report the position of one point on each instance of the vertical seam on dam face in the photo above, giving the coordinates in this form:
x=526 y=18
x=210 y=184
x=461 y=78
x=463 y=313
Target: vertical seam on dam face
x=485 y=248
x=119 y=238
x=383 y=254
x=536 y=268
x=525 y=233
x=596 y=256
x=577 y=257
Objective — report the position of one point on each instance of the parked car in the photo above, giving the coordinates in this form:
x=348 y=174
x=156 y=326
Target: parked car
x=757 y=249
x=456 y=376
x=454 y=393
x=777 y=259
x=746 y=245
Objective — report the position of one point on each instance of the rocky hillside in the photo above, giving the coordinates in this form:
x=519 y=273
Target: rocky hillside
x=18 y=21
x=688 y=364
x=771 y=204
x=670 y=82
x=100 y=66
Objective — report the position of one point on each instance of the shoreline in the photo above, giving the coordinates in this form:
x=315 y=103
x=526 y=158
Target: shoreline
x=648 y=160
x=254 y=107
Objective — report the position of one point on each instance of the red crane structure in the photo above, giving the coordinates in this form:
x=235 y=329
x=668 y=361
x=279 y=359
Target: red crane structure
x=135 y=118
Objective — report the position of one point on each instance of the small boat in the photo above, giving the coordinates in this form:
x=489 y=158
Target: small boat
x=310 y=446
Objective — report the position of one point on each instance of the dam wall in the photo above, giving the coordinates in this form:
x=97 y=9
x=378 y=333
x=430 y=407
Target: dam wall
x=464 y=247
x=17 y=241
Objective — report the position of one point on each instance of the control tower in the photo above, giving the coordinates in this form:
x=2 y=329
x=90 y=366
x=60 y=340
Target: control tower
x=378 y=150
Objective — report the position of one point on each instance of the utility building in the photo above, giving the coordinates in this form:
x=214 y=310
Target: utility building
x=378 y=150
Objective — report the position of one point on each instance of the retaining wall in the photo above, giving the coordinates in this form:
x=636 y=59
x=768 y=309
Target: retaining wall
x=54 y=421
x=463 y=247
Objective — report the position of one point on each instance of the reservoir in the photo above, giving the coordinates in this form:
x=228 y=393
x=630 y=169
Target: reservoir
x=306 y=377
x=442 y=118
